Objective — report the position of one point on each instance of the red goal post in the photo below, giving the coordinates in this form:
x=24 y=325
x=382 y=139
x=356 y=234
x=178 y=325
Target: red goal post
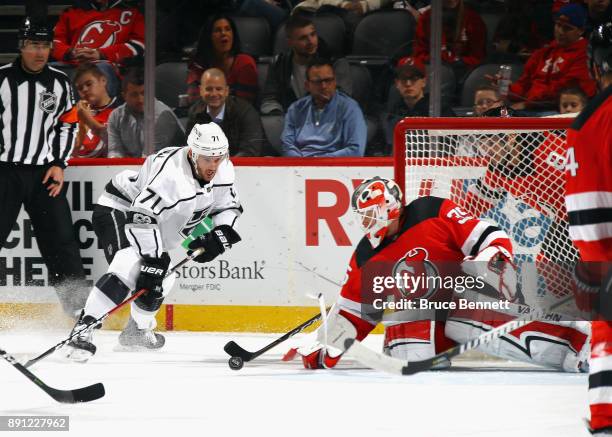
x=509 y=171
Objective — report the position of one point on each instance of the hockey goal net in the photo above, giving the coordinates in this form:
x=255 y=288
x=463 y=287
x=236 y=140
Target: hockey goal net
x=508 y=171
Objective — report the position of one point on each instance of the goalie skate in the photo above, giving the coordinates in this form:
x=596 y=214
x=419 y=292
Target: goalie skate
x=134 y=339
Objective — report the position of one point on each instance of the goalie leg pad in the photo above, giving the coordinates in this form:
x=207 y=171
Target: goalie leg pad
x=415 y=340
x=559 y=345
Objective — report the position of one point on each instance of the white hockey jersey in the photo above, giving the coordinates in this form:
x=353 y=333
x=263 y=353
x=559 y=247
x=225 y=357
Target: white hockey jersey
x=165 y=200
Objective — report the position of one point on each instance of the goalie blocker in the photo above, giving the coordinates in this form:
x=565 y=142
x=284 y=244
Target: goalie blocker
x=437 y=230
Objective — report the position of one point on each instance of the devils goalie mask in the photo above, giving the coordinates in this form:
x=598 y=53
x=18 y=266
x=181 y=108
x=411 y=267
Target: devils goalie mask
x=377 y=202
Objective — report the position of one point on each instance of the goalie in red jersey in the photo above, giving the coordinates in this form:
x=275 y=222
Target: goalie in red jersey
x=431 y=237
x=589 y=203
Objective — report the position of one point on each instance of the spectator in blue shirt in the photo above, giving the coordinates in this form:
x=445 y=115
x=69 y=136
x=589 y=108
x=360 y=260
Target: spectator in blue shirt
x=326 y=122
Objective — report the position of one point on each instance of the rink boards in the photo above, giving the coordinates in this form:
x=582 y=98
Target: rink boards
x=297 y=237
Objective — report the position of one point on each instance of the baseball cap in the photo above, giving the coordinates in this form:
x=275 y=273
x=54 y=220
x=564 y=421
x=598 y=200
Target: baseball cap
x=407 y=71
x=573 y=14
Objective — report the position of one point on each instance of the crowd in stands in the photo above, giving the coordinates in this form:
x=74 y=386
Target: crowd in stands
x=307 y=81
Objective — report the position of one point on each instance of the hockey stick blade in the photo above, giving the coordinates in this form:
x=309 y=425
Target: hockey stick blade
x=385 y=363
x=84 y=394
x=98 y=321
x=234 y=350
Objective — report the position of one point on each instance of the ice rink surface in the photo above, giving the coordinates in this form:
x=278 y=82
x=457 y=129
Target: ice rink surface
x=187 y=389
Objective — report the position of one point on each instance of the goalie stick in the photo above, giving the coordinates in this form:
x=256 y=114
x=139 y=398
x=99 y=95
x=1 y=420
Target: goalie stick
x=234 y=350
x=84 y=394
x=189 y=257
x=385 y=363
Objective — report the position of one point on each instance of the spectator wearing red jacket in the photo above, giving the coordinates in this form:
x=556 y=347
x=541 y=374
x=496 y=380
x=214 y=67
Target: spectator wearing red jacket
x=463 y=38
x=98 y=31
x=219 y=47
x=561 y=64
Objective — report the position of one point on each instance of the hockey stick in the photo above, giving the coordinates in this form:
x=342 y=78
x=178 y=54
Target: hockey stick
x=385 y=363
x=84 y=394
x=189 y=257
x=235 y=351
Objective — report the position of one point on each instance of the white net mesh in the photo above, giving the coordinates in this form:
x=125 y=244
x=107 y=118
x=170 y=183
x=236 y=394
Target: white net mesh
x=510 y=176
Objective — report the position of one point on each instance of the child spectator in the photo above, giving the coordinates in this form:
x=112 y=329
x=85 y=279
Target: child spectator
x=219 y=47
x=91 y=112
x=486 y=97
x=572 y=100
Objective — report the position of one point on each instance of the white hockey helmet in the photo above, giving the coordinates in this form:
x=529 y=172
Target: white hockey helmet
x=377 y=202
x=208 y=140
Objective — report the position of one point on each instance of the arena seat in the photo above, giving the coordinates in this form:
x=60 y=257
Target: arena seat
x=170 y=81
x=273 y=128
x=362 y=85
x=383 y=32
x=255 y=35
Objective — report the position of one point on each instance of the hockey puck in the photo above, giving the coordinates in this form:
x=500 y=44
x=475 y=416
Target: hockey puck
x=235 y=363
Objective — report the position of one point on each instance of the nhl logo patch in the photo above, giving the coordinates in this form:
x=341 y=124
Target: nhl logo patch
x=47 y=102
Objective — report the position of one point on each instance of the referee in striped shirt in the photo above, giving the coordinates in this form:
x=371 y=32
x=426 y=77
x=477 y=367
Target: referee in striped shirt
x=34 y=146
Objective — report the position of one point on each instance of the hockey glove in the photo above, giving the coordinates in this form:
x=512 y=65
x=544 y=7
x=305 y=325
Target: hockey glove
x=214 y=242
x=152 y=274
x=494 y=266
x=316 y=356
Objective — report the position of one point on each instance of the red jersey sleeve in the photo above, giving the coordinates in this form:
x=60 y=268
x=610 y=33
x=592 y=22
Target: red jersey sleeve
x=350 y=302
x=475 y=44
x=471 y=235
x=518 y=90
x=61 y=41
x=132 y=46
x=420 y=48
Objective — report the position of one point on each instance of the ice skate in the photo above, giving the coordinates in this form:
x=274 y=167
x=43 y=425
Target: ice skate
x=132 y=338
x=81 y=347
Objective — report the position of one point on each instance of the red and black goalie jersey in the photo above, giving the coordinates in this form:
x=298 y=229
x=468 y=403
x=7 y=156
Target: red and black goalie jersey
x=431 y=229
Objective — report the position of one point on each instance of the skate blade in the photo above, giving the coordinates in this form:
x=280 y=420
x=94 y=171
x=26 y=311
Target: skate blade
x=78 y=355
x=121 y=348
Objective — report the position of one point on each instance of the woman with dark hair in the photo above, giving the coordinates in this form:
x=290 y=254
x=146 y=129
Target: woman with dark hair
x=219 y=47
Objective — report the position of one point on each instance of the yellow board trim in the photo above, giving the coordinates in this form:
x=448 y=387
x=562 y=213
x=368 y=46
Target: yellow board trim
x=221 y=318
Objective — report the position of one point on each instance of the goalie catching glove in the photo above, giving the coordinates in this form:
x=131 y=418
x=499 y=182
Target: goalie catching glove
x=494 y=266
x=214 y=242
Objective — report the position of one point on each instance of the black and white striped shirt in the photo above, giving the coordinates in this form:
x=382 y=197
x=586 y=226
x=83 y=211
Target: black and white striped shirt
x=31 y=106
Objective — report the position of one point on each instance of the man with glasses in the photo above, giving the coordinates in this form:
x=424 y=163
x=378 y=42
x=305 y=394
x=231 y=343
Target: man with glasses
x=35 y=142
x=326 y=122
x=486 y=97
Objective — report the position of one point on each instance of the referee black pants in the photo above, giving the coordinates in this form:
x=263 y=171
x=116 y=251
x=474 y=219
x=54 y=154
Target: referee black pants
x=52 y=223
